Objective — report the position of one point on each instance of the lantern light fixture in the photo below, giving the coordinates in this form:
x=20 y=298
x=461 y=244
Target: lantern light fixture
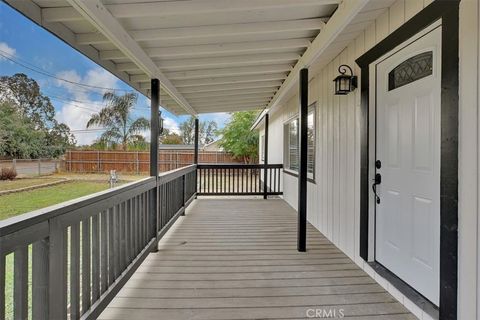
x=344 y=83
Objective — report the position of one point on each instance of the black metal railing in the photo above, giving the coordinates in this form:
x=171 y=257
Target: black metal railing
x=70 y=260
x=239 y=179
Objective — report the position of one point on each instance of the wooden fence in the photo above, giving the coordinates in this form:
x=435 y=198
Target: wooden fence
x=138 y=162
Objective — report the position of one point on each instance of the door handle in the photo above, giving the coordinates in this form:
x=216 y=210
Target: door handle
x=376 y=181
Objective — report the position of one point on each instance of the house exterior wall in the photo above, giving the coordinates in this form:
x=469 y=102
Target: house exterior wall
x=469 y=162
x=333 y=199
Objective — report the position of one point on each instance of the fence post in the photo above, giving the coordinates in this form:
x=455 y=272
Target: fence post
x=14 y=164
x=98 y=161
x=39 y=167
x=137 y=165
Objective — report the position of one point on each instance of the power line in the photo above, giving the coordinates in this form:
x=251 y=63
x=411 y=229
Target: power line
x=70 y=100
x=88 y=130
x=33 y=68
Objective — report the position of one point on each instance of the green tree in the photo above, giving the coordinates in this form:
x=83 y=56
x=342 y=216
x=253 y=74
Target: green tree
x=18 y=136
x=238 y=139
x=32 y=111
x=25 y=94
x=207 y=131
x=116 y=117
x=168 y=137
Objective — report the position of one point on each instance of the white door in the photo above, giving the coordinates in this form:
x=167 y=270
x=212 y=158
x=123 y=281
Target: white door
x=408 y=146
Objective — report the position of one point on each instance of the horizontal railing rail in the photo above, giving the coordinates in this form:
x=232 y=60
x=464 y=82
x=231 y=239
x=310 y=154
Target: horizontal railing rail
x=71 y=259
x=239 y=179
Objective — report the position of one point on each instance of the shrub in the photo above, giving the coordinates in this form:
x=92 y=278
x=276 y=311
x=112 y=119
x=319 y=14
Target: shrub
x=8 y=174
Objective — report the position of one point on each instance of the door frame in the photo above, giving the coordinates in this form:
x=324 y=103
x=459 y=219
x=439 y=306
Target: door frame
x=448 y=13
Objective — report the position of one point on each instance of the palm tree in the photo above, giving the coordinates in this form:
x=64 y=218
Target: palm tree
x=115 y=118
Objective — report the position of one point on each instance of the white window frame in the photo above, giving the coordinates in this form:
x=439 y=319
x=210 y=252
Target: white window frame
x=286 y=138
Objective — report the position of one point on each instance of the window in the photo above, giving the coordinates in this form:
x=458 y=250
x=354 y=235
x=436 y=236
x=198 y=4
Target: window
x=415 y=68
x=291 y=139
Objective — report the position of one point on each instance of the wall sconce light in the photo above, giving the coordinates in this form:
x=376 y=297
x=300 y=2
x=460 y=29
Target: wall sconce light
x=160 y=123
x=345 y=83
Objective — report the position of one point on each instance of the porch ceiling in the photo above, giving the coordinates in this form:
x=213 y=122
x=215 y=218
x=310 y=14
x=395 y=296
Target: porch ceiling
x=209 y=55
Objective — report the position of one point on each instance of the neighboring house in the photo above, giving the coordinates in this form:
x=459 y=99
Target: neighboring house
x=413 y=122
x=212 y=146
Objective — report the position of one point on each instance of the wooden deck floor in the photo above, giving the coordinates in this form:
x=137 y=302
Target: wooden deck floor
x=237 y=259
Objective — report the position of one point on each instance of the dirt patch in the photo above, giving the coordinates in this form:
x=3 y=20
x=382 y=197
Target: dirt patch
x=36 y=185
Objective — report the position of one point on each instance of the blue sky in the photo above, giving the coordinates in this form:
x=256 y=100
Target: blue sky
x=27 y=43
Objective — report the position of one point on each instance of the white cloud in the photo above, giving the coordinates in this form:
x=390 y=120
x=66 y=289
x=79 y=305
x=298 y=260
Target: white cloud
x=171 y=124
x=220 y=118
x=7 y=50
x=76 y=117
x=77 y=113
x=97 y=77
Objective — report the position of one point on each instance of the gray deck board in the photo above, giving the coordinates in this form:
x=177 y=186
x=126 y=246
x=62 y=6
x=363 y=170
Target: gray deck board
x=237 y=259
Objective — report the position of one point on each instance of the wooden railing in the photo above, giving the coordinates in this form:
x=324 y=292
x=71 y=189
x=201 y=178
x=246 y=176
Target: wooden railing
x=239 y=179
x=70 y=260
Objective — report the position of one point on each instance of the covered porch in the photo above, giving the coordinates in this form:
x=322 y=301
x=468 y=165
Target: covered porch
x=152 y=249
x=237 y=259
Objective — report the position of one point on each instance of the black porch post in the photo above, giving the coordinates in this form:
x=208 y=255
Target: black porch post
x=154 y=126
x=195 y=158
x=154 y=132
x=195 y=155
x=302 y=168
x=265 y=160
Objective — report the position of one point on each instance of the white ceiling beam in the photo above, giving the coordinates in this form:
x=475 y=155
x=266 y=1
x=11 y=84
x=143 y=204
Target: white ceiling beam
x=227 y=72
x=231 y=108
x=202 y=63
x=170 y=8
x=226 y=103
x=344 y=14
x=218 y=80
x=61 y=14
x=181 y=8
x=235 y=29
x=214 y=49
x=213 y=31
x=230 y=93
x=224 y=80
x=241 y=60
x=253 y=85
x=227 y=99
x=102 y=19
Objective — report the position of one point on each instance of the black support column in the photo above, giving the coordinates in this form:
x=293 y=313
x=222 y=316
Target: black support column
x=302 y=170
x=154 y=132
x=195 y=158
x=154 y=126
x=195 y=155
x=265 y=159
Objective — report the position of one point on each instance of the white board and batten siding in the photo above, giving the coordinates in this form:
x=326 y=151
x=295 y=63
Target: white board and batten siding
x=333 y=200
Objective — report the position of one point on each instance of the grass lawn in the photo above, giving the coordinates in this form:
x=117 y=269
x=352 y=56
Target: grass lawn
x=23 y=183
x=21 y=202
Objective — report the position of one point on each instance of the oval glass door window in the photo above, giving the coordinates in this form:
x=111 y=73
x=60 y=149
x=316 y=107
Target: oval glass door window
x=415 y=68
